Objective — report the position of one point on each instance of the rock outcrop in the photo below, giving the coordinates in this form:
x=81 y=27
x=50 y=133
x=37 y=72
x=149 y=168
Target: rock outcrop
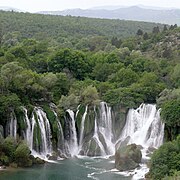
x=128 y=157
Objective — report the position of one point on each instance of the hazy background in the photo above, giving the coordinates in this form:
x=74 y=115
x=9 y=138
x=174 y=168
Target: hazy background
x=42 y=5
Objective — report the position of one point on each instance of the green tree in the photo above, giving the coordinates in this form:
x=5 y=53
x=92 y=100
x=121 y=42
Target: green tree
x=21 y=155
x=69 y=102
x=124 y=77
x=139 y=32
x=171 y=116
x=166 y=160
x=9 y=147
x=67 y=60
x=9 y=72
x=90 y=95
x=175 y=76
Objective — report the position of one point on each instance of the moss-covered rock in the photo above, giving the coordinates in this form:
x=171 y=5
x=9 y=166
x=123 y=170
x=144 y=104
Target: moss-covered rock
x=94 y=149
x=128 y=157
x=36 y=160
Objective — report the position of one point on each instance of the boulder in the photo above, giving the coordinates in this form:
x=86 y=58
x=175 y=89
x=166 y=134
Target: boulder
x=39 y=161
x=36 y=160
x=94 y=149
x=128 y=157
x=53 y=157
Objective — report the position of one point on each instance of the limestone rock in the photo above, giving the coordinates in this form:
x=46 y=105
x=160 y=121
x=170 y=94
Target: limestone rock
x=127 y=157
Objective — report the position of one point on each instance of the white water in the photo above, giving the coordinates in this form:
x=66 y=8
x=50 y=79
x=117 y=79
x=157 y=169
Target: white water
x=143 y=127
x=96 y=137
x=105 y=127
x=28 y=132
x=73 y=143
x=40 y=124
x=45 y=130
x=82 y=127
x=12 y=125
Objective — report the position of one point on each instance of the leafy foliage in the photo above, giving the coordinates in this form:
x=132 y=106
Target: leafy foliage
x=166 y=160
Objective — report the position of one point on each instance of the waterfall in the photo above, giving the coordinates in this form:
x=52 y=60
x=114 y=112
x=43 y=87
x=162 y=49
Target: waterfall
x=45 y=130
x=28 y=133
x=82 y=127
x=96 y=137
x=73 y=143
x=144 y=127
x=39 y=143
x=105 y=127
x=101 y=143
x=12 y=125
x=60 y=135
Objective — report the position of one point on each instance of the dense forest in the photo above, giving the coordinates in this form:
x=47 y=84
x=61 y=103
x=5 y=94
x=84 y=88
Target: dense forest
x=72 y=60
x=68 y=31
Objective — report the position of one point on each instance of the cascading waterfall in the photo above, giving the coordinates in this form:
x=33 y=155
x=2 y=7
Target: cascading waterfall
x=82 y=128
x=28 y=133
x=12 y=125
x=101 y=143
x=105 y=127
x=96 y=138
x=143 y=127
x=73 y=142
x=45 y=130
x=38 y=123
x=61 y=147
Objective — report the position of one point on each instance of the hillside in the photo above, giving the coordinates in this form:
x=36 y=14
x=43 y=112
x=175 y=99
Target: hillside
x=54 y=27
x=165 y=16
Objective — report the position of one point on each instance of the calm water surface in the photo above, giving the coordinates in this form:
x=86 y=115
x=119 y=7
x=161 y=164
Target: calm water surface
x=70 y=169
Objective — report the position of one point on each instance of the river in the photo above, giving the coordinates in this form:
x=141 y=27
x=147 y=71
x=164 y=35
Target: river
x=69 y=169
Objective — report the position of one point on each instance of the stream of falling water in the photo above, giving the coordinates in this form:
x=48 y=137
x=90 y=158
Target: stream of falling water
x=143 y=127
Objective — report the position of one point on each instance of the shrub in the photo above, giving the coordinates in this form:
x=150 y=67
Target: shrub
x=166 y=160
x=22 y=155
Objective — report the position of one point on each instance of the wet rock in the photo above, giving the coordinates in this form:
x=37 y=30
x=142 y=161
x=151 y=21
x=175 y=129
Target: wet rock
x=112 y=157
x=82 y=153
x=151 y=149
x=94 y=149
x=39 y=161
x=122 y=143
x=128 y=157
x=36 y=160
x=53 y=158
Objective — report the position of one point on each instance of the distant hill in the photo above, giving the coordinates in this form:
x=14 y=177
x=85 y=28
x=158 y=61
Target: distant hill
x=54 y=27
x=135 y=13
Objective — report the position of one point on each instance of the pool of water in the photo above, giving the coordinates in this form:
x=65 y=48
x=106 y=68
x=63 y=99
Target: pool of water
x=69 y=169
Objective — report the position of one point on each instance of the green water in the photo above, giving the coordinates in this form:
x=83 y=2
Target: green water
x=71 y=169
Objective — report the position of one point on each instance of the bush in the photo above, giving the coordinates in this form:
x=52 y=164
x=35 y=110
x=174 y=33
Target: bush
x=22 y=155
x=90 y=96
x=9 y=147
x=166 y=160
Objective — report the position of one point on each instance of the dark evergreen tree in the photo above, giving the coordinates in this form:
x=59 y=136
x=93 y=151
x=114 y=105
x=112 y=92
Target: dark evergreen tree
x=145 y=36
x=165 y=28
x=116 y=42
x=139 y=32
x=156 y=30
